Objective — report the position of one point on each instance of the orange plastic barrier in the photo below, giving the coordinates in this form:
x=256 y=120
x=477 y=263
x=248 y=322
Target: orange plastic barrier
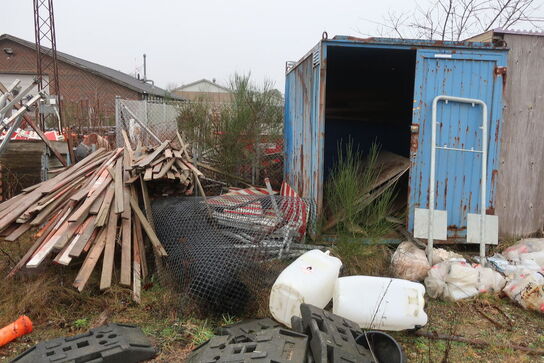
x=18 y=328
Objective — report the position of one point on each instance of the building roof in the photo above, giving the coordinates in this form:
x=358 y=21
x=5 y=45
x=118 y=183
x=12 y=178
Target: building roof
x=205 y=81
x=518 y=32
x=113 y=75
x=488 y=35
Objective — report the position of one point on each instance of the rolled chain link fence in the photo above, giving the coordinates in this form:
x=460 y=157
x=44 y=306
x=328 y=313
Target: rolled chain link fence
x=225 y=252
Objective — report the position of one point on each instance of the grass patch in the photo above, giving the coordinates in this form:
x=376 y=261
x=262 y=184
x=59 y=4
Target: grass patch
x=349 y=201
x=362 y=259
x=199 y=330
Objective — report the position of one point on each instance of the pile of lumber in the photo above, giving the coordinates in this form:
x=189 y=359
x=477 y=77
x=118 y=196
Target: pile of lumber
x=166 y=161
x=91 y=209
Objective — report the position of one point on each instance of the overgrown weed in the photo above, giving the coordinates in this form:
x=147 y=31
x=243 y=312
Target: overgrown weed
x=349 y=198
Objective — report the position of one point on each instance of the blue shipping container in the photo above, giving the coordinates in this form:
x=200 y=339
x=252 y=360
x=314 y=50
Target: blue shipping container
x=381 y=90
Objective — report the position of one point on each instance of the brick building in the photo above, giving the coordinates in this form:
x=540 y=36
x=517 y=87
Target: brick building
x=88 y=90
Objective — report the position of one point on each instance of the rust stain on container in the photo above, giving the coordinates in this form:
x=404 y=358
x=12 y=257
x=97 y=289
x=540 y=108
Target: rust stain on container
x=501 y=71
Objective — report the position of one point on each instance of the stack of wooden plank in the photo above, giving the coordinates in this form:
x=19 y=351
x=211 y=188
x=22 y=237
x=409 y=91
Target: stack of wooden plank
x=166 y=161
x=91 y=208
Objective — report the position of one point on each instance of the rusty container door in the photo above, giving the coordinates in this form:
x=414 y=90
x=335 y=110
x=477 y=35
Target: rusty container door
x=461 y=73
x=301 y=128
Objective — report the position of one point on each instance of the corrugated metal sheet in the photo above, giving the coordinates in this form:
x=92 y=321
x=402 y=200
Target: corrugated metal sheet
x=464 y=69
x=301 y=97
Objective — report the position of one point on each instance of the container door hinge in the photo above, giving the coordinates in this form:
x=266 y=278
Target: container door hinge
x=501 y=71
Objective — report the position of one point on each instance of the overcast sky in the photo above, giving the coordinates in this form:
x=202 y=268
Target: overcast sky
x=189 y=40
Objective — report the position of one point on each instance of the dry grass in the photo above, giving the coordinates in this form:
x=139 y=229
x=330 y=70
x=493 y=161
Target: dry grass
x=56 y=309
x=461 y=318
x=363 y=259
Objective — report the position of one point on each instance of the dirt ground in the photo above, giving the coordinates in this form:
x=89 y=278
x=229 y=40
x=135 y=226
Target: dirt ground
x=56 y=309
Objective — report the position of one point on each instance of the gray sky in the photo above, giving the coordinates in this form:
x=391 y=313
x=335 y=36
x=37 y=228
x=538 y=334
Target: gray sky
x=189 y=40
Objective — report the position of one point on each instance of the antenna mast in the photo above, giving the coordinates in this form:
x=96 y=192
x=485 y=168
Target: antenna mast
x=46 y=57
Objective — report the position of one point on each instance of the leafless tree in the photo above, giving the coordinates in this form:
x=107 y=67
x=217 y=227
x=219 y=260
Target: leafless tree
x=460 y=19
x=171 y=86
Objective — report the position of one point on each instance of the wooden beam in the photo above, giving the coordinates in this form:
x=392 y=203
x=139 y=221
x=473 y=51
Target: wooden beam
x=90 y=262
x=104 y=211
x=136 y=271
x=118 y=182
x=39 y=242
x=165 y=168
x=86 y=231
x=157 y=245
x=83 y=210
x=147 y=203
x=149 y=158
x=126 y=241
x=109 y=251
x=21 y=229
x=138 y=236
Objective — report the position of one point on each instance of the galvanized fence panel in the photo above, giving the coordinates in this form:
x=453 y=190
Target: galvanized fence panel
x=146 y=122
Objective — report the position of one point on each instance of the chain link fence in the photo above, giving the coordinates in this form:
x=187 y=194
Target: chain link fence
x=146 y=122
x=237 y=156
x=225 y=252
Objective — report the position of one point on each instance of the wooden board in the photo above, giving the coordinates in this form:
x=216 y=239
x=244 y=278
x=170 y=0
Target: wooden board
x=119 y=194
x=109 y=251
x=87 y=230
x=18 y=232
x=95 y=207
x=165 y=168
x=104 y=211
x=157 y=168
x=59 y=228
x=147 y=203
x=149 y=158
x=136 y=272
x=159 y=249
x=148 y=175
x=90 y=262
x=83 y=210
x=39 y=243
x=126 y=241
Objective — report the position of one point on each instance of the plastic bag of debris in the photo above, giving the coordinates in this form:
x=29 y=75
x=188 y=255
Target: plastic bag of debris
x=409 y=262
x=441 y=255
x=525 y=247
x=527 y=289
x=456 y=280
x=508 y=268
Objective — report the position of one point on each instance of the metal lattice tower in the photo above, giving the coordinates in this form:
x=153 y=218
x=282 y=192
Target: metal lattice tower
x=46 y=55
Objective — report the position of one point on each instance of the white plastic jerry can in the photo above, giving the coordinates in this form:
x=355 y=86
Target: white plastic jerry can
x=380 y=302
x=309 y=279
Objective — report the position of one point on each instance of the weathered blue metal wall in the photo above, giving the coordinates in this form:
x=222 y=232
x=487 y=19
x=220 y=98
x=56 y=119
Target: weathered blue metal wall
x=301 y=126
x=449 y=68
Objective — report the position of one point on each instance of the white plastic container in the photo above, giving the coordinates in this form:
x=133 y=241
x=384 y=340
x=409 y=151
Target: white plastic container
x=309 y=279
x=380 y=302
